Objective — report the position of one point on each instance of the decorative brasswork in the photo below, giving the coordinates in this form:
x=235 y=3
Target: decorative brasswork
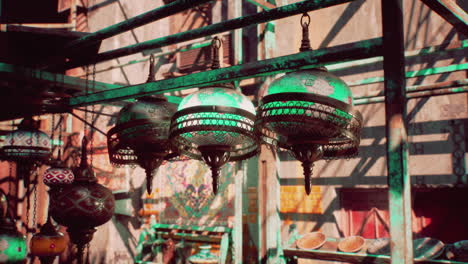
x=28 y=147
x=141 y=135
x=82 y=205
x=215 y=124
x=310 y=113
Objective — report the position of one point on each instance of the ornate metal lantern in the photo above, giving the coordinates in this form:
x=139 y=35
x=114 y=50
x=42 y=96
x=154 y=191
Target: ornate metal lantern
x=58 y=174
x=27 y=146
x=82 y=205
x=216 y=125
x=12 y=243
x=48 y=243
x=141 y=135
x=310 y=113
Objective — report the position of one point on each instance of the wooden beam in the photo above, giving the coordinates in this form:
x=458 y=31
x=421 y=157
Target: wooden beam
x=451 y=12
x=308 y=59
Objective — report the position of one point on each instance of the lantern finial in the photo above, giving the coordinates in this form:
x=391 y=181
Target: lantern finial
x=215 y=157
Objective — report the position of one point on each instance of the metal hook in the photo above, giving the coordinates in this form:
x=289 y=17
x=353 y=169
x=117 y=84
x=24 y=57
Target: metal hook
x=216 y=44
x=305 y=20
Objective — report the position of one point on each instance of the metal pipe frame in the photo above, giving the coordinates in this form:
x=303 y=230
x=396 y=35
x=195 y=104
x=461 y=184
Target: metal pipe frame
x=236 y=23
x=302 y=60
x=134 y=22
x=399 y=184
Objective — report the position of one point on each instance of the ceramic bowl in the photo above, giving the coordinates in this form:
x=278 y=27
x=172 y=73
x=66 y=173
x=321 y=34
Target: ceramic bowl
x=379 y=246
x=427 y=248
x=351 y=244
x=312 y=240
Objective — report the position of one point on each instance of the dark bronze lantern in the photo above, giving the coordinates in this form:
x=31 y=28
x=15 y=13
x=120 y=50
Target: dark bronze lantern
x=82 y=205
x=216 y=125
x=310 y=113
x=141 y=135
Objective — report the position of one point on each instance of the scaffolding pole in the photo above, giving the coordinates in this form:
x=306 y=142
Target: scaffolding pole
x=395 y=127
x=232 y=24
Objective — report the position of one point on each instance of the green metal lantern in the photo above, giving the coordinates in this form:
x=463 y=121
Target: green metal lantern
x=13 y=247
x=216 y=125
x=310 y=113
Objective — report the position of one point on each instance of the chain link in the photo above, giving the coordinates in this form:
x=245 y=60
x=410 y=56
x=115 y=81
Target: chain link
x=92 y=118
x=35 y=200
x=60 y=124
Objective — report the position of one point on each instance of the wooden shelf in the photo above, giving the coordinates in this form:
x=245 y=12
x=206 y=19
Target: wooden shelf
x=351 y=257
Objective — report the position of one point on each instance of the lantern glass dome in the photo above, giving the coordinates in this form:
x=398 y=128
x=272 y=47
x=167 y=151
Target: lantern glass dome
x=27 y=143
x=215 y=116
x=313 y=81
x=216 y=125
x=141 y=135
x=310 y=113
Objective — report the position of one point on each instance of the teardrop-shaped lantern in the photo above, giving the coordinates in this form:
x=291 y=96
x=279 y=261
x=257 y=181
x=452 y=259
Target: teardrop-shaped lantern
x=48 y=243
x=215 y=124
x=27 y=146
x=310 y=113
x=82 y=205
x=141 y=135
x=13 y=247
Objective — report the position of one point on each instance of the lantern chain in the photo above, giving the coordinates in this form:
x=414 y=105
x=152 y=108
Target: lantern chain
x=52 y=133
x=59 y=155
x=35 y=201
x=92 y=118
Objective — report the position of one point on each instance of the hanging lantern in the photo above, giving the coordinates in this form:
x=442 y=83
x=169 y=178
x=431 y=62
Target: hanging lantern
x=215 y=124
x=82 y=205
x=27 y=146
x=48 y=243
x=141 y=135
x=310 y=113
x=58 y=175
x=12 y=243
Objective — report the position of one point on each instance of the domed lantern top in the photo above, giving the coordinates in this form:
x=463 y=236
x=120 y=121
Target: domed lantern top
x=27 y=143
x=313 y=81
x=223 y=95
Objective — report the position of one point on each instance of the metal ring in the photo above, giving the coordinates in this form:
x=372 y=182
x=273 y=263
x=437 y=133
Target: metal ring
x=305 y=20
x=151 y=59
x=216 y=42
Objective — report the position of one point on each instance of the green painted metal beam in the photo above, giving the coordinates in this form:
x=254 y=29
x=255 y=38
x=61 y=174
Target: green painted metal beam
x=134 y=22
x=418 y=73
x=451 y=12
x=308 y=59
x=232 y=24
x=401 y=241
